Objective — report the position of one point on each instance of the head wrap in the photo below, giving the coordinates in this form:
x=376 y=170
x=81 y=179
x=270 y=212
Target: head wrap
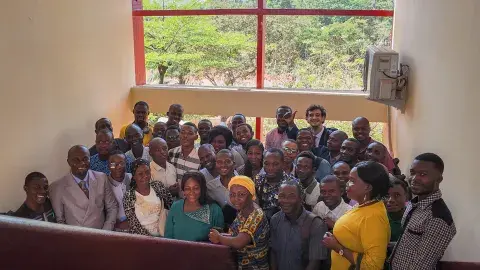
x=245 y=182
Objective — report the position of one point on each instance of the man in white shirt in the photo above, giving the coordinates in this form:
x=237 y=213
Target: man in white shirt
x=305 y=168
x=331 y=207
x=134 y=137
x=119 y=181
x=161 y=170
x=316 y=115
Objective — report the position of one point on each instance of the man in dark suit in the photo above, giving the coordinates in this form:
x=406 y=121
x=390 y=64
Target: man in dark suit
x=316 y=116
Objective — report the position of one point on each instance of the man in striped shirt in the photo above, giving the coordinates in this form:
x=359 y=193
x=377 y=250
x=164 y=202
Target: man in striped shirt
x=37 y=205
x=185 y=157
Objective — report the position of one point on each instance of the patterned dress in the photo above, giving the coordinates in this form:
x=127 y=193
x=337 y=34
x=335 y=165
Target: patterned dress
x=255 y=255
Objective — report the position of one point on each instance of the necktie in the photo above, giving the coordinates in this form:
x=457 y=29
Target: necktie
x=83 y=187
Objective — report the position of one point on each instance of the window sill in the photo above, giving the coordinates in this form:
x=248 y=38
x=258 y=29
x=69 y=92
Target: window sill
x=340 y=105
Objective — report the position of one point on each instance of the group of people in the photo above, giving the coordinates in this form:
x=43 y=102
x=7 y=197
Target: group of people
x=308 y=198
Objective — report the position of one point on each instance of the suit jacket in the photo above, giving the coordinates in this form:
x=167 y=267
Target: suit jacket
x=324 y=138
x=322 y=151
x=72 y=207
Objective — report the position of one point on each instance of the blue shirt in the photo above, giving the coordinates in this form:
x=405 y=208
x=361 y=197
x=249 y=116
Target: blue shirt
x=99 y=165
x=78 y=180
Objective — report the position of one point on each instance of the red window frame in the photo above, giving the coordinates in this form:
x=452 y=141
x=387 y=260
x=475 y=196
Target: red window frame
x=260 y=11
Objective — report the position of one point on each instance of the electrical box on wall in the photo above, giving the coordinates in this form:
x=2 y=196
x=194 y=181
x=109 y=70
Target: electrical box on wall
x=384 y=78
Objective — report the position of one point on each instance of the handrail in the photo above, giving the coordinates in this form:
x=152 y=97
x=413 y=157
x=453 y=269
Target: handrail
x=31 y=244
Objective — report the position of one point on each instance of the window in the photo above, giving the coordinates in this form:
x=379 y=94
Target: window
x=301 y=44
x=319 y=52
x=201 y=50
x=197 y=4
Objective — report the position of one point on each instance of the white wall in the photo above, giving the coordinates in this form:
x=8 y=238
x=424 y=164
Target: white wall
x=63 y=65
x=440 y=40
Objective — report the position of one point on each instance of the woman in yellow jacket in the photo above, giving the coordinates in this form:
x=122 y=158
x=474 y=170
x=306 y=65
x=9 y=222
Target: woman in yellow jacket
x=360 y=237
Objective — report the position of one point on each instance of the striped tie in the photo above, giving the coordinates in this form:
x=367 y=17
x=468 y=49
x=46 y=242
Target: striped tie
x=83 y=187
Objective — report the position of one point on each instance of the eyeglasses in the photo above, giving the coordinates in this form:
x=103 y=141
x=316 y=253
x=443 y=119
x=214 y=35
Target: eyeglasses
x=172 y=138
x=239 y=195
x=114 y=165
x=290 y=150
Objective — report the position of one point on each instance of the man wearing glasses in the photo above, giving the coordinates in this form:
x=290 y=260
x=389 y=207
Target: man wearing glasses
x=290 y=152
x=286 y=128
x=119 y=181
x=172 y=136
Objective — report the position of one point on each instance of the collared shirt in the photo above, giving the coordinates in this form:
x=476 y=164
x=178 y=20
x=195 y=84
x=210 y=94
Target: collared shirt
x=312 y=192
x=167 y=176
x=47 y=215
x=286 y=240
x=145 y=154
x=267 y=193
x=234 y=144
x=118 y=144
x=318 y=137
x=78 y=180
x=218 y=192
x=99 y=165
x=323 y=211
x=147 y=137
x=208 y=176
x=428 y=229
x=239 y=149
x=119 y=189
x=274 y=139
x=182 y=164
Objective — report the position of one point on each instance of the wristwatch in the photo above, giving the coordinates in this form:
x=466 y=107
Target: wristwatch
x=340 y=252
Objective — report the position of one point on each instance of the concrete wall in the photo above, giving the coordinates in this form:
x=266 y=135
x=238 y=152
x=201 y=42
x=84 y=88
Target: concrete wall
x=341 y=106
x=440 y=40
x=63 y=65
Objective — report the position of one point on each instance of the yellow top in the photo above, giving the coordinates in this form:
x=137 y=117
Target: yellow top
x=363 y=230
x=146 y=137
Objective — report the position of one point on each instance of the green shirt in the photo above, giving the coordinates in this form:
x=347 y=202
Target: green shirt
x=193 y=226
x=395 y=228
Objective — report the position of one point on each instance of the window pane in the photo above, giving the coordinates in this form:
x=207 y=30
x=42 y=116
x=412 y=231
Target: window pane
x=197 y=4
x=321 y=52
x=332 y=4
x=201 y=50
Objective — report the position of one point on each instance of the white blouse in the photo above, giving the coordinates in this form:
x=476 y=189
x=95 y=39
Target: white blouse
x=147 y=210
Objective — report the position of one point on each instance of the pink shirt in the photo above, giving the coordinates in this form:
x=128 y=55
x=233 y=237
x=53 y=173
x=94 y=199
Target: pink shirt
x=274 y=139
